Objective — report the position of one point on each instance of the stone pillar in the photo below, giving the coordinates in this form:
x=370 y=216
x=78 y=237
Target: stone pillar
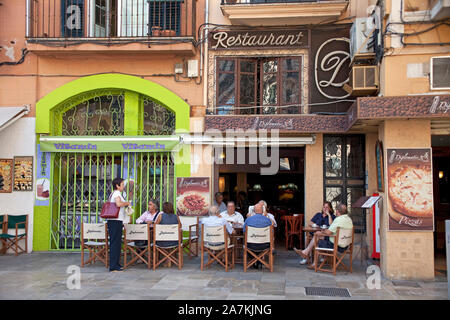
x=313 y=177
x=405 y=255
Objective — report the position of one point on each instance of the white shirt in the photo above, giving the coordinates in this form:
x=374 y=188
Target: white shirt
x=235 y=218
x=121 y=215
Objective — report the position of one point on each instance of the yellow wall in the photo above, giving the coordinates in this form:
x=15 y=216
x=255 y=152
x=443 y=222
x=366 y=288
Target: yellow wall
x=313 y=178
x=396 y=81
x=405 y=255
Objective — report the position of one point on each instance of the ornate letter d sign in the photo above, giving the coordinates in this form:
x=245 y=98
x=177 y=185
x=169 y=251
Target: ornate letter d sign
x=328 y=67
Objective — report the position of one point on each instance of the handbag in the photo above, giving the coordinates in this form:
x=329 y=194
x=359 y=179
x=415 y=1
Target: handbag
x=109 y=210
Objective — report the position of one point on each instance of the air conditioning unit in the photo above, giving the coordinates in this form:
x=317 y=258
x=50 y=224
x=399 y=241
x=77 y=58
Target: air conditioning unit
x=440 y=9
x=363 y=80
x=439 y=73
x=360 y=30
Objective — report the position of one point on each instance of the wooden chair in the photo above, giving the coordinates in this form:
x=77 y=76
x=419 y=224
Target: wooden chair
x=190 y=225
x=345 y=239
x=3 y=223
x=167 y=232
x=11 y=241
x=142 y=252
x=221 y=252
x=293 y=227
x=91 y=233
x=258 y=236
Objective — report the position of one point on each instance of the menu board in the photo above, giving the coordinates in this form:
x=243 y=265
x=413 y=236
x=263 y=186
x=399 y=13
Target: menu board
x=410 y=190
x=193 y=196
x=6 y=175
x=23 y=173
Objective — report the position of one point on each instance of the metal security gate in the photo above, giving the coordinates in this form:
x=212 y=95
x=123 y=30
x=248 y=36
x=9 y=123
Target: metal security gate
x=82 y=183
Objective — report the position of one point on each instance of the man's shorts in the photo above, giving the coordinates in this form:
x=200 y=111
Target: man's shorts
x=329 y=245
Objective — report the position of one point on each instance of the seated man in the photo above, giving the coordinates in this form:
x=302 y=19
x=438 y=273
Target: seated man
x=251 y=212
x=231 y=215
x=215 y=220
x=258 y=220
x=342 y=221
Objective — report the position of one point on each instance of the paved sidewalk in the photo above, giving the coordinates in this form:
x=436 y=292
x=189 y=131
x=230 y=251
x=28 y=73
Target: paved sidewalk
x=43 y=276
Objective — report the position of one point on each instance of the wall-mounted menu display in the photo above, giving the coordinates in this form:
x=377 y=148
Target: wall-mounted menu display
x=6 y=175
x=23 y=173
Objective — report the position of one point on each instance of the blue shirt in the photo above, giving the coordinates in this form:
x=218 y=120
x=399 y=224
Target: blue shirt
x=320 y=220
x=257 y=221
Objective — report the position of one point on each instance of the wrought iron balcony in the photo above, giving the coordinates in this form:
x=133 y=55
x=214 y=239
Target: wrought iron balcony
x=114 y=19
x=230 y=2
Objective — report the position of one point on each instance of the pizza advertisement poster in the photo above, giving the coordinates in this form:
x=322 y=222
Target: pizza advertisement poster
x=23 y=173
x=6 y=175
x=193 y=196
x=410 y=189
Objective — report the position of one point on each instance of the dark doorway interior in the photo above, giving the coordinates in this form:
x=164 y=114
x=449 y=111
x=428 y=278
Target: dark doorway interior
x=441 y=192
x=283 y=191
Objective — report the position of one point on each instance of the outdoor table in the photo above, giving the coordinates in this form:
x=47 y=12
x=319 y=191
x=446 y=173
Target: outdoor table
x=309 y=237
x=237 y=239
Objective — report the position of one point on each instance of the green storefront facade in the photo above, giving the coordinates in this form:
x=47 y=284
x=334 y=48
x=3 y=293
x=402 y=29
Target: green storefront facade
x=96 y=128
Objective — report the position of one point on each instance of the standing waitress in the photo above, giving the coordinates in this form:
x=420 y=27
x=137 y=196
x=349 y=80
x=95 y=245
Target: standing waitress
x=115 y=225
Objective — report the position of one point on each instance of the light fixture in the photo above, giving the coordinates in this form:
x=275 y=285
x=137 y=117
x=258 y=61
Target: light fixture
x=221 y=184
x=441 y=174
x=222 y=155
x=257 y=187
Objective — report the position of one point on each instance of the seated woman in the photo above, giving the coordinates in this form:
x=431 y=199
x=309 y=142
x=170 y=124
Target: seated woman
x=322 y=238
x=151 y=214
x=323 y=218
x=167 y=217
x=148 y=217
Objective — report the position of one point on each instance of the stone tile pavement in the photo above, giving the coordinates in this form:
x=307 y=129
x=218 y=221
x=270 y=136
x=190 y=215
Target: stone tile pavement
x=42 y=275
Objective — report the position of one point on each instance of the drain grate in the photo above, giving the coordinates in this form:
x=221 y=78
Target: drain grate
x=401 y=283
x=327 y=292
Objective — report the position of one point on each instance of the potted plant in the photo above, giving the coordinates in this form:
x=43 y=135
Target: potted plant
x=156 y=31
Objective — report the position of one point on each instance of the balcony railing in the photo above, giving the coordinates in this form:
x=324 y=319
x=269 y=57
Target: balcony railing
x=227 y=2
x=110 y=18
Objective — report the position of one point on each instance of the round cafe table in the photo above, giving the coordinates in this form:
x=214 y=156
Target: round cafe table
x=309 y=237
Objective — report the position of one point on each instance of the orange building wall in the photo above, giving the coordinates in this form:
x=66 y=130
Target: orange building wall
x=38 y=75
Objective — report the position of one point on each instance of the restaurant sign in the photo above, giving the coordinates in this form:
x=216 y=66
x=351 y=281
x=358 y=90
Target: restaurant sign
x=233 y=39
x=103 y=144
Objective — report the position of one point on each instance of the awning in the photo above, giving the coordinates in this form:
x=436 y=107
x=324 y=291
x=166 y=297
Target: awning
x=249 y=141
x=94 y=144
x=8 y=115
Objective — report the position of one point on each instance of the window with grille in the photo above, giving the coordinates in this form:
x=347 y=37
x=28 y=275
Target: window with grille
x=165 y=16
x=101 y=115
x=259 y=85
x=344 y=173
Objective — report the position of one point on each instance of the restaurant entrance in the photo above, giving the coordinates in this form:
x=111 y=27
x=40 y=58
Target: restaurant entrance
x=283 y=191
x=441 y=192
